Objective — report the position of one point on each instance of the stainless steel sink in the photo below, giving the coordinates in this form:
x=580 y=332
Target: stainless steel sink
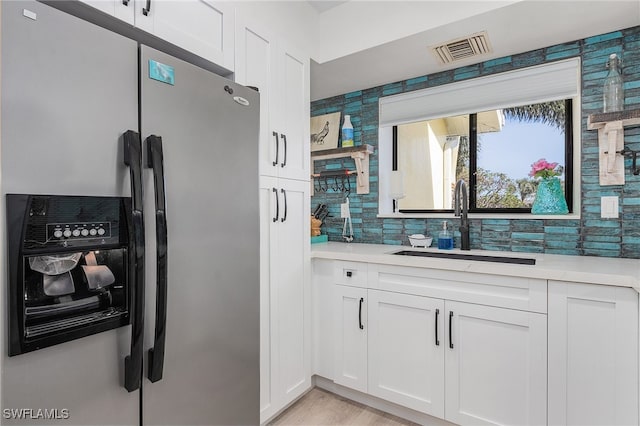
x=462 y=256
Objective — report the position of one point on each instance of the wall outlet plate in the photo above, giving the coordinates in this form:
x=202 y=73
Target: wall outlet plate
x=609 y=207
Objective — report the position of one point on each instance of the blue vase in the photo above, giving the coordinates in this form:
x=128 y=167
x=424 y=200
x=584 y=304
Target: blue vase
x=549 y=198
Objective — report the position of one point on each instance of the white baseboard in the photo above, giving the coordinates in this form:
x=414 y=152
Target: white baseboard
x=379 y=404
x=273 y=415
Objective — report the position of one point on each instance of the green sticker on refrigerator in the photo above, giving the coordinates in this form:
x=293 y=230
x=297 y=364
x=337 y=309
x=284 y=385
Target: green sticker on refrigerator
x=161 y=72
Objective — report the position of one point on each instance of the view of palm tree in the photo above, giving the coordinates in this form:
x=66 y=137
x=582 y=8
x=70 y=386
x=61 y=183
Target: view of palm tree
x=552 y=113
x=496 y=188
x=434 y=154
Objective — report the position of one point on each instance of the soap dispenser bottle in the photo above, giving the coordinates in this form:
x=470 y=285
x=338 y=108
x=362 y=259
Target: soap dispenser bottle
x=445 y=238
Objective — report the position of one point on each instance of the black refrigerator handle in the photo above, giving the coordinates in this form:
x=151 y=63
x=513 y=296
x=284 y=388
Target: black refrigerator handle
x=155 y=162
x=133 y=362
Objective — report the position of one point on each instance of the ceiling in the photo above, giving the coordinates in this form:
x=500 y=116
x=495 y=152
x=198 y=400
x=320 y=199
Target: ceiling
x=324 y=5
x=515 y=28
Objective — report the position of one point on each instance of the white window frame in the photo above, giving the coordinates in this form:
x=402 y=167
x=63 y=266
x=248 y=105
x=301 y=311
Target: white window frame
x=540 y=83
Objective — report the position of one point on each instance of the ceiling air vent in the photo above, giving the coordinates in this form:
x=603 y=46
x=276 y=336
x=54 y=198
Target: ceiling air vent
x=463 y=48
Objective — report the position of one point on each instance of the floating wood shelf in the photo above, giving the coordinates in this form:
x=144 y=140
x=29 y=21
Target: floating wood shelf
x=341 y=152
x=610 y=127
x=360 y=155
x=628 y=118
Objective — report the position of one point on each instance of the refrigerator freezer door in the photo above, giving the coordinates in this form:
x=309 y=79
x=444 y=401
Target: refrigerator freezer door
x=210 y=145
x=69 y=91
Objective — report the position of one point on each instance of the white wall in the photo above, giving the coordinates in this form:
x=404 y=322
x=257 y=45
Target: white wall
x=358 y=25
x=296 y=21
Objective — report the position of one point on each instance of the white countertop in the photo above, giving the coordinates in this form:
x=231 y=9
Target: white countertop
x=585 y=269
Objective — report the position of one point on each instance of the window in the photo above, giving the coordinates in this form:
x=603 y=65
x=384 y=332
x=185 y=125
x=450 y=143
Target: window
x=457 y=119
x=490 y=150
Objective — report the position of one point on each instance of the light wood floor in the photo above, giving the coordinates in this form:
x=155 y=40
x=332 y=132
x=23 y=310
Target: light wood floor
x=319 y=407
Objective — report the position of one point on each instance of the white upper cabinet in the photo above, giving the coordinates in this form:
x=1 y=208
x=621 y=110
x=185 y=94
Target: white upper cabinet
x=281 y=74
x=202 y=27
x=255 y=52
x=293 y=99
x=121 y=9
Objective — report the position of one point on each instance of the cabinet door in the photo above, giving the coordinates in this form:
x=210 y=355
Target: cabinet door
x=292 y=284
x=351 y=337
x=293 y=112
x=202 y=27
x=496 y=365
x=406 y=356
x=285 y=304
x=121 y=9
x=322 y=298
x=593 y=355
x=255 y=53
x=268 y=333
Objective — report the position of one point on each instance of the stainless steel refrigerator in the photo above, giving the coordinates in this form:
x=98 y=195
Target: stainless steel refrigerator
x=70 y=92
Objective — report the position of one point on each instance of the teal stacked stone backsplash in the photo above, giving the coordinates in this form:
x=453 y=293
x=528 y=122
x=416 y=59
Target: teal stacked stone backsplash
x=590 y=235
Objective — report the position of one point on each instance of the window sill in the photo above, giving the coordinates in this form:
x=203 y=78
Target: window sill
x=529 y=216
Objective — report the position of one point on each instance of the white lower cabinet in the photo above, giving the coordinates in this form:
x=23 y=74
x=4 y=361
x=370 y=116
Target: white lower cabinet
x=478 y=349
x=495 y=365
x=593 y=355
x=285 y=327
x=351 y=337
x=466 y=363
x=406 y=357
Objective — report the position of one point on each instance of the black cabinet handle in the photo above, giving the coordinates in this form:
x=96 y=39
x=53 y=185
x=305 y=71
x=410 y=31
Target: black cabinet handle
x=284 y=141
x=275 y=163
x=437 y=339
x=360 y=314
x=450 y=332
x=155 y=160
x=125 y=2
x=275 y=191
x=133 y=361
x=146 y=10
x=349 y=274
x=284 y=195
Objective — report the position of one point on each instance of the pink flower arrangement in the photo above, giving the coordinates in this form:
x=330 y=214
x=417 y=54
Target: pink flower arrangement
x=543 y=169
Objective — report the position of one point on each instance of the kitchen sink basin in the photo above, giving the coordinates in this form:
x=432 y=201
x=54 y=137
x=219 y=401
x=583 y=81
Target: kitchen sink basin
x=462 y=256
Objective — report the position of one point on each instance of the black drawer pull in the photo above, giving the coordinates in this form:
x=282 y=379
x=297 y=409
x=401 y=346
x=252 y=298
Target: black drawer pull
x=450 y=332
x=437 y=339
